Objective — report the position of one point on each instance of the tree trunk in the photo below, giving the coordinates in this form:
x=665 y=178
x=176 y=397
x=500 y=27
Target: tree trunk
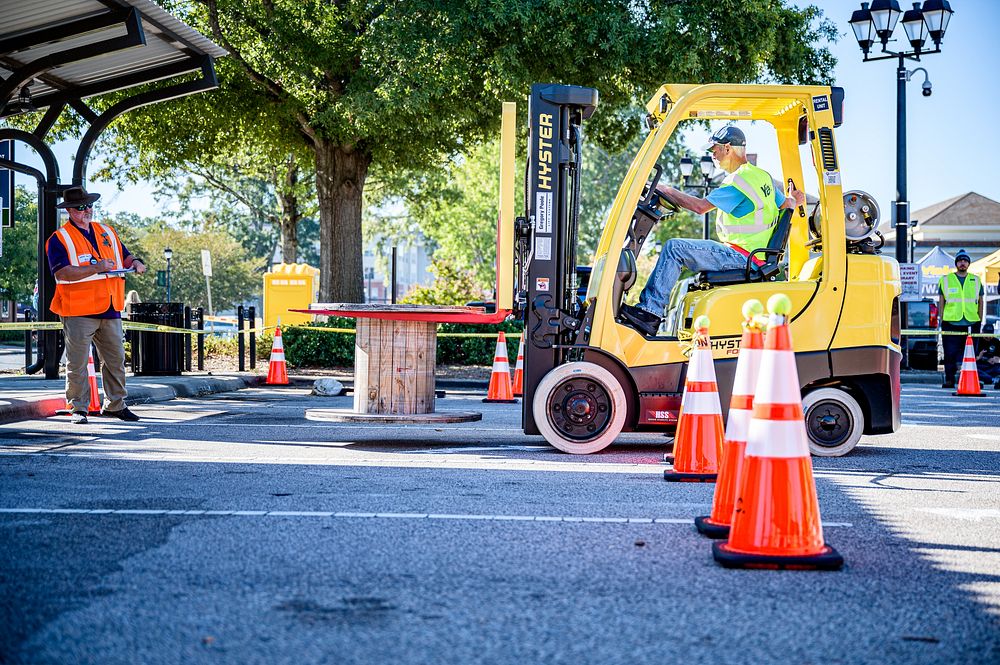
x=290 y=215
x=340 y=180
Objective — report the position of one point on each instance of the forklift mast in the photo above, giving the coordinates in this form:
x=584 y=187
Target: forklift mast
x=546 y=235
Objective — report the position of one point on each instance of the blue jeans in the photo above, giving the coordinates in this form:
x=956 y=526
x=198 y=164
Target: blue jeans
x=678 y=253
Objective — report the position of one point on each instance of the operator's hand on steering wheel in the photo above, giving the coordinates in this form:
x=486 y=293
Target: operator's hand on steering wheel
x=665 y=201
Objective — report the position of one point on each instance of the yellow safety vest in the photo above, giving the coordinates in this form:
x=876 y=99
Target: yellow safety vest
x=753 y=230
x=960 y=301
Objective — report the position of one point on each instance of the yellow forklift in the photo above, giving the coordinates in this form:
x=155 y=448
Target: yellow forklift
x=588 y=376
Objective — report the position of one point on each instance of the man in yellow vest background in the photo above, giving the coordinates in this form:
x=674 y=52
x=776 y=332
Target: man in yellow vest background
x=89 y=300
x=961 y=304
x=747 y=206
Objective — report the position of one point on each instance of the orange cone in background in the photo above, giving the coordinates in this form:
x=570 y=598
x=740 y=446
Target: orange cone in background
x=698 y=443
x=277 y=371
x=717 y=524
x=968 y=379
x=518 y=387
x=95 y=401
x=500 y=389
x=776 y=523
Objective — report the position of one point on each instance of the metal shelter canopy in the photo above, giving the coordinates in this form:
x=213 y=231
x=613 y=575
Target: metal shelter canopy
x=58 y=53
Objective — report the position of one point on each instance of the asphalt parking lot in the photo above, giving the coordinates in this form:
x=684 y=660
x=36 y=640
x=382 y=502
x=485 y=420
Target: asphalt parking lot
x=241 y=528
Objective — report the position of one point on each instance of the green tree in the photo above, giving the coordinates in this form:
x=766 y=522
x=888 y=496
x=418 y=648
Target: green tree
x=264 y=211
x=366 y=86
x=236 y=275
x=456 y=213
x=452 y=286
x=18 y=266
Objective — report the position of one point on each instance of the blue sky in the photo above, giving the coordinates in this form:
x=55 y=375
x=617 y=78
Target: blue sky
x=950 y=134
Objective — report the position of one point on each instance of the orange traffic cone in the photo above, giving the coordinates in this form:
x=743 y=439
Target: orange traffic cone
x=698 y=443
x=717 y=524
x=500 y=389
x=277 y=371
x=95 y=401
x=519 y=369
x=968 y=379
x=776 y=523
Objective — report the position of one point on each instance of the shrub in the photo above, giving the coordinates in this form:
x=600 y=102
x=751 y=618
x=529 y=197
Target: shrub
x=314 y=348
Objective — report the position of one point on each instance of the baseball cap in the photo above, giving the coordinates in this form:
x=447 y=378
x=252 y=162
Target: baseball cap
x=727 y=135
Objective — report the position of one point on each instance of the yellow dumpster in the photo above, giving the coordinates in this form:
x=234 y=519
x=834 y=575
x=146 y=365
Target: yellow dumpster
x=289 y=286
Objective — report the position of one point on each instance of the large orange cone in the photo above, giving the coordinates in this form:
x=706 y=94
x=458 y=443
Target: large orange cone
x=717 y=524
x=277 y=371
x=500 y=389
x=519 y=370
x=968 y=379
x=776 y=522
x=95 y=401
x=698 y=443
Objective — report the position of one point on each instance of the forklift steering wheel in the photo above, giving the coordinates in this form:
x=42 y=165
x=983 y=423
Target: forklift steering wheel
x=667 y=204
x=651 y=198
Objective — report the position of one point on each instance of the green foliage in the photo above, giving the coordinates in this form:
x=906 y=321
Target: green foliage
x=236 y=276
x=18 y=266
x=476 y=350
x=314 y=348
x=451 y=286
x=405 y=85
x=245 y=208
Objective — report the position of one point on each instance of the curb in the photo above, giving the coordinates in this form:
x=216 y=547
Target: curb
x=198 y=386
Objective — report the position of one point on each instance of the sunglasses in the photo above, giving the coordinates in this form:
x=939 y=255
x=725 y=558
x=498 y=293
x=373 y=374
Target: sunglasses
x=82 y=208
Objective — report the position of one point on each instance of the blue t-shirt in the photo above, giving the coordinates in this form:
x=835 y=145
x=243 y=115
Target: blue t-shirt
x=732 y=201
x=59 y=259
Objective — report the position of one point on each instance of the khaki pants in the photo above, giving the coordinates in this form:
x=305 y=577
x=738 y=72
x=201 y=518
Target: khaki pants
x=106 y=334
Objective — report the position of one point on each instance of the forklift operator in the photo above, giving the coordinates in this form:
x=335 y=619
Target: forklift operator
x=747 y=206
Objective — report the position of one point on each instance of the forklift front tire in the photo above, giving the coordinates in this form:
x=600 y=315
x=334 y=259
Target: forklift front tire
x=834 y=422
x=580 y=408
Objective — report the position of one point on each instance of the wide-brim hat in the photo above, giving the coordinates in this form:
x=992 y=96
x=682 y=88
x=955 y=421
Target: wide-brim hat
x=77 y=196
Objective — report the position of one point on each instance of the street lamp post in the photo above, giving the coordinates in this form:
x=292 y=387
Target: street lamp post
x=876 y=24
x=707 y=167
x=168 y=254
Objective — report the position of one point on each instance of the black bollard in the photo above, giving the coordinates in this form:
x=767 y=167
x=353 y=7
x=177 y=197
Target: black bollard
x=240 y=343
x=187 y=339
x=201 y=339
x=252 y=315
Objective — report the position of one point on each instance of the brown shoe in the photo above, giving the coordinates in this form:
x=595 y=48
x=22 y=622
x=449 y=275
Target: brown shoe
x=123 y=414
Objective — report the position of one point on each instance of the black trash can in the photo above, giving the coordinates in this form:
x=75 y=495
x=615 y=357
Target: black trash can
x=157 y=353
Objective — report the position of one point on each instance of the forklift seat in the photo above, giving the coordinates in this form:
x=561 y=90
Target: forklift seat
x=767 y=272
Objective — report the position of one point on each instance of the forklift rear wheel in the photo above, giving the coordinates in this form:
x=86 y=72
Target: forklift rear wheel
x=834 y=422
x=580 y=408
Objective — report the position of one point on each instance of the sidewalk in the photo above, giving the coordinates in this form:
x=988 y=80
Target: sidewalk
x=25 y=397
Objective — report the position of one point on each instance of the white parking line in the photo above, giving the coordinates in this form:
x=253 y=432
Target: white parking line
x=354 y=515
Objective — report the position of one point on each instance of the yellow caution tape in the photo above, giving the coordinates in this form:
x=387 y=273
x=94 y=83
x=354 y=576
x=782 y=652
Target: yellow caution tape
x=509 y=335
x=38 y=325
x=931 y=333
x=512 y=335
x=127 y=325
x=322 y=329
